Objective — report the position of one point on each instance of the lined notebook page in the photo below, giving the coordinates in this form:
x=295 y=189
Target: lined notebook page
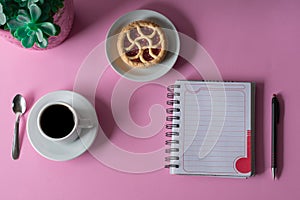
x=214 y=122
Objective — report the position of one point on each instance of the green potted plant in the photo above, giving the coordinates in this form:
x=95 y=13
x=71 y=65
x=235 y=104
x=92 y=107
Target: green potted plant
x=36 y=24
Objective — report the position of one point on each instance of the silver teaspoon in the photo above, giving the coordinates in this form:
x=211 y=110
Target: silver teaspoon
x=19 y=107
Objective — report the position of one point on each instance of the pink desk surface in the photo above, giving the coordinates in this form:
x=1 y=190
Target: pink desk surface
x=248 y=40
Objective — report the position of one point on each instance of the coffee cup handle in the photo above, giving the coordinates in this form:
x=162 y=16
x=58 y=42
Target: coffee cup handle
x=85 y=123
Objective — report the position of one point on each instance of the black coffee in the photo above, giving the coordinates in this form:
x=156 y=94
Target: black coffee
x=57 y=121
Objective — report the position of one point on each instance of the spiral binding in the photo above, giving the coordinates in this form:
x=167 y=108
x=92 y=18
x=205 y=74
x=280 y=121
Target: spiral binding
x=172 y=126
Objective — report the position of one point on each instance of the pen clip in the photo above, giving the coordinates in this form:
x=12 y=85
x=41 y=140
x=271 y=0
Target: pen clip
x=277 y=108
x=277 y=112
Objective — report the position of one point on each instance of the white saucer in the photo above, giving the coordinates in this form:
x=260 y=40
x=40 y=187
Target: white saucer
x=57 y=151
x=152 y=72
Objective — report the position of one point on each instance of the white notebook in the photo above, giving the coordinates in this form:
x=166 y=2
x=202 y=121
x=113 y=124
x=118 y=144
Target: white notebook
x=211 y=128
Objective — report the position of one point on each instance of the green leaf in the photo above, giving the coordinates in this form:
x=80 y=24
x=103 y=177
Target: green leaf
x=28 y=41
x=30 y=32
x=43 y=43
x=21 y=32
x=23 y=18
x=13 y=24
x=48 y=28
x=2 y=16
x=39 y=35
x=2 y=19
x=32 y=2
x=35 y=12
x=23 y=12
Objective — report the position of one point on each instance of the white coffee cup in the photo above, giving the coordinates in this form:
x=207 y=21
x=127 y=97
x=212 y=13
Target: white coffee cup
x=59 y=122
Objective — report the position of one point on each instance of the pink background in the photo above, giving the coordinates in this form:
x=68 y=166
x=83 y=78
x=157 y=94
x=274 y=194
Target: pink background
x=248 y=40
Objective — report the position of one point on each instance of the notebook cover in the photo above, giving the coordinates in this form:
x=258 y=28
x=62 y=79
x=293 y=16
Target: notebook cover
x=216 y=129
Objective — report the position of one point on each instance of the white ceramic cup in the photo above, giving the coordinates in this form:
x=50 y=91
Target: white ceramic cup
x=59 y=122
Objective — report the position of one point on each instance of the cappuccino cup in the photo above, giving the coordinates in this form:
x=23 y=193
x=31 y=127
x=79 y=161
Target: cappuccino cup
x=59 y=122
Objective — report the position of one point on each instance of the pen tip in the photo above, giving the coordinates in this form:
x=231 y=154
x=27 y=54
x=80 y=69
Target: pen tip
x=274 y=173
